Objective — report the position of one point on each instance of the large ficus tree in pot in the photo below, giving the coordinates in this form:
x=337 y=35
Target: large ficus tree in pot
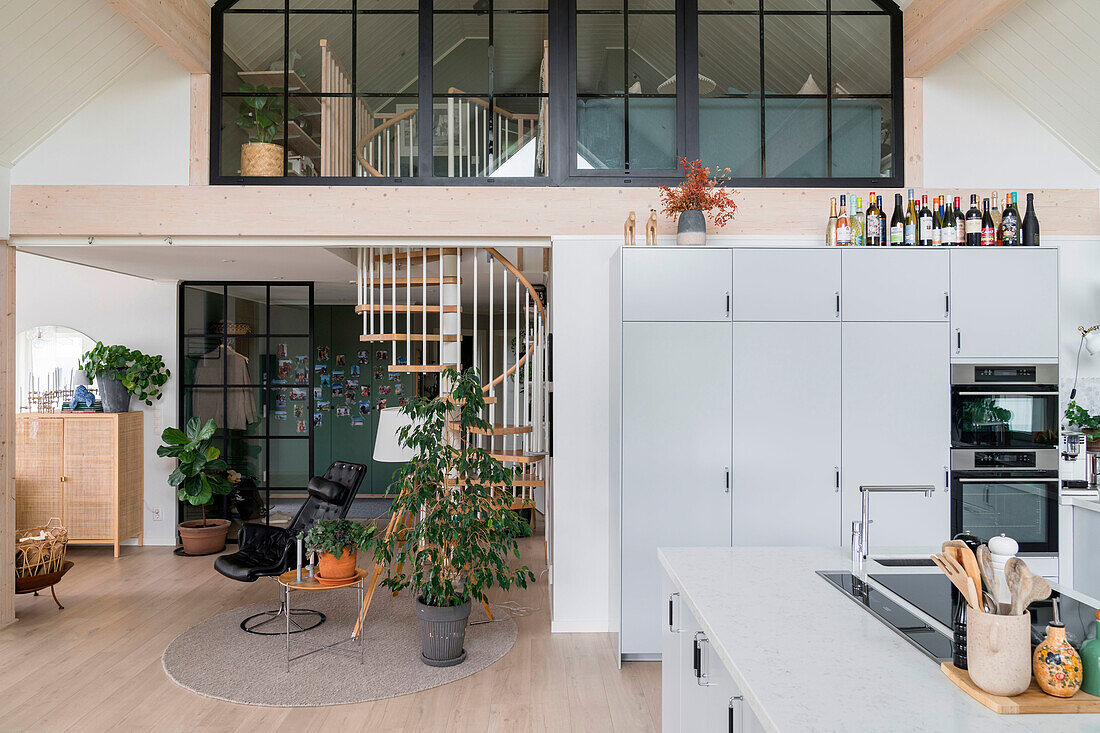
x=460 y=544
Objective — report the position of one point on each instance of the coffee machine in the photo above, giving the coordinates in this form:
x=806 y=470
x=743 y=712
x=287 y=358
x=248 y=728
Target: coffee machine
x=1073 y=465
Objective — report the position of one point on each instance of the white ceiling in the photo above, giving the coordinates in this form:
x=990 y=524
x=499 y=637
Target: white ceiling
x=55 y=56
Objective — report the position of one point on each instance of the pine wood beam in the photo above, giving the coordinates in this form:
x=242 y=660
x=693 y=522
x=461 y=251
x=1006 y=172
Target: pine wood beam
x=935 y=30
x=7 y=434
x=199 y=166
x=914 y=132
x=180 y=27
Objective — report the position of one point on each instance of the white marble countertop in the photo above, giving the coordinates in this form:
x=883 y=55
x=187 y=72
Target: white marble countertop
x=807 y=658
x=1084 y=502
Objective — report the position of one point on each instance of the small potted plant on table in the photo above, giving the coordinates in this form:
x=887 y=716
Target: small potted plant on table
x=338 y=541
x=459 y=546
x=201 y=475
x=122 y=373
x=696 y=195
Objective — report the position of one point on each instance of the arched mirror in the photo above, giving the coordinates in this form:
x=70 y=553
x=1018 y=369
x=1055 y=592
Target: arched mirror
x=47 y=359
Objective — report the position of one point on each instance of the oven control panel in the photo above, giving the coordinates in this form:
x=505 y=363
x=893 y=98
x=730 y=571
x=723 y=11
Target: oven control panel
x=1014 y=459
x=1023 y=374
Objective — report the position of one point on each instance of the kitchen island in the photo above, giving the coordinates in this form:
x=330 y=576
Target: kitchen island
x=795 y=654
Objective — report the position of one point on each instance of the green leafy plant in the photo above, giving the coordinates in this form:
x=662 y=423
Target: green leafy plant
x=260 y=115
x=984 y=411
x=1088 y=423
x=202 y=473
x=463 y=538
x=142 y=375
x=336 y=535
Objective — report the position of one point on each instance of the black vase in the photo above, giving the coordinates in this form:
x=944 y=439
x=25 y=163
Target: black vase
x=113 y=393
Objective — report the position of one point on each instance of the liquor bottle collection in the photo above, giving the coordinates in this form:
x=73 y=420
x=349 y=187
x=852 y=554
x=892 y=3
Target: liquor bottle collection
x=943 y=223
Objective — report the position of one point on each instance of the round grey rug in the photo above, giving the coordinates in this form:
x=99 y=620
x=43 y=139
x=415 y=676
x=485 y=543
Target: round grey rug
x=217 y=659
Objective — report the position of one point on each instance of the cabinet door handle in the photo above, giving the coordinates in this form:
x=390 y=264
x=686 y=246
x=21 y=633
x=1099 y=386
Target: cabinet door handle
x=671 y=628
x=958 y=340
x=727 y=302
x=735 y=699
x=836 y=479
x=946 y=304
x=727 y=479
x=702 y=677
x=837 y=304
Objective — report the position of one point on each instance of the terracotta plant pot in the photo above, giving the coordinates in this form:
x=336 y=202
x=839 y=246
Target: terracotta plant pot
x=334 y=568
x=198 y=539
x=261 y=159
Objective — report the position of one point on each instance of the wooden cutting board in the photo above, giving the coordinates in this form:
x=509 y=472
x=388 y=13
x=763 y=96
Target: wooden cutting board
x=1031 y=701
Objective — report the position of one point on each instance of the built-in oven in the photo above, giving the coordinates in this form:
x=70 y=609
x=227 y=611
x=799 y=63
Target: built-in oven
x=994 y=406
x=1007 y=491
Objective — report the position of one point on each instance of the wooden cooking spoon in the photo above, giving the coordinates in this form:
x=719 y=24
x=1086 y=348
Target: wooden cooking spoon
x=989 y=578
x=958 y=577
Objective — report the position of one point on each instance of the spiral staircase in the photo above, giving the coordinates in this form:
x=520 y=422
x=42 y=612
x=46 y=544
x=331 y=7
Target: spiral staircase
x=415 y=299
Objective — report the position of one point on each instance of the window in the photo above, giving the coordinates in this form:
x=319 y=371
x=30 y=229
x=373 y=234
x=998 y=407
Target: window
x=555 y=92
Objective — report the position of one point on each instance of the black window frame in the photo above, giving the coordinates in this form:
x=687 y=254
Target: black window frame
x=562 y=34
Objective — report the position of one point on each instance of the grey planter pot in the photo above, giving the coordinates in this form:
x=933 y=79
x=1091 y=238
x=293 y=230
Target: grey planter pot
x=691 y=229
x=442 y=633
x=113 y=393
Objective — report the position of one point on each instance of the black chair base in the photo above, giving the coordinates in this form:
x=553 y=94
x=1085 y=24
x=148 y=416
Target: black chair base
x=279 y=614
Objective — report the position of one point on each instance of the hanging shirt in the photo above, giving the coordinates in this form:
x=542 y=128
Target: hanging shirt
x=238 y=409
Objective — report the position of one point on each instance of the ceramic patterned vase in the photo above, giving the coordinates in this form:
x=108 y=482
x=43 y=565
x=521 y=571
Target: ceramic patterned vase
x=1057 y=664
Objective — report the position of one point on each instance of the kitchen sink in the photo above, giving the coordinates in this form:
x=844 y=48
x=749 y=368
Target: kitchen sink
x=904 y=562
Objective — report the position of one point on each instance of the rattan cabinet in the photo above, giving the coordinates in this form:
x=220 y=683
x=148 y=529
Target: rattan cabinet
x=87 y=469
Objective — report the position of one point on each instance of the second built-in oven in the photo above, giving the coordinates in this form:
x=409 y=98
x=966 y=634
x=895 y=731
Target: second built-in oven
x=995 y=406
x=1011 y=492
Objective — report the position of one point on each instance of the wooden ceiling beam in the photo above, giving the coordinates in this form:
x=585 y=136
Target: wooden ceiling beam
x=935 y=30
x=180 y=27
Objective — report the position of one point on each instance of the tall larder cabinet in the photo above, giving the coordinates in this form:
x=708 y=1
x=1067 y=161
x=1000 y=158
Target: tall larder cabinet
x=672 y=346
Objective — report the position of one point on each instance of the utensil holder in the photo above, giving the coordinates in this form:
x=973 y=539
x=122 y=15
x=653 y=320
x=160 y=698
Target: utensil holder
x=998 y=650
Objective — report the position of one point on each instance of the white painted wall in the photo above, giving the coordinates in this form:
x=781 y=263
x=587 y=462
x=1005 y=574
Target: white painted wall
x=135 y=132
x=114 y=309
x=975 y=136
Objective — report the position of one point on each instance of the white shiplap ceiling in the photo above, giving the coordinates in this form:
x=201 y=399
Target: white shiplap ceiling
x=1045 y=57
x=55 y=56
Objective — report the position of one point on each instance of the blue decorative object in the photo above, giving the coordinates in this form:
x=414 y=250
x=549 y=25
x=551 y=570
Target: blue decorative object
x=83 y=396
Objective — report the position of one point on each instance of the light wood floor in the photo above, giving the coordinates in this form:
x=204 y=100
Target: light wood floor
x=96 y=665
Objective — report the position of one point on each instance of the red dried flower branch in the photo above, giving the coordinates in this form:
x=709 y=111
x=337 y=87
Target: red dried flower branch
x=699 y=191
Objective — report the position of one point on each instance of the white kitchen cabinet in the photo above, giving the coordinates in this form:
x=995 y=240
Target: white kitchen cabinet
x=675 y=460
x=1004 y=303
x=786 y=434
x=671 y=663
x=895 y=284
x=896 y=428
x=676 y=284
x=786 y=284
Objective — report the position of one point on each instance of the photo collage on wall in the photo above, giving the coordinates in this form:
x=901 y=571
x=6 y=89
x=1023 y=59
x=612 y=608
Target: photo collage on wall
x=292 y=375
x=345 y=387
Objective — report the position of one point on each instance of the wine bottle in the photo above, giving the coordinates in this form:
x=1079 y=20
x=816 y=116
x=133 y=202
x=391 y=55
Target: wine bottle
x=949 y=233
x=988 y=236
x=911 y=221
x=830 y=228
x=973 y=223
x=874 y=226
x=937 y=222
x=1010 y=223
x=882 y=228
x=897 y=223
x=1031 y=224
x=924 y=223
x=995 y=212
x=859 y=224
x=843 y=227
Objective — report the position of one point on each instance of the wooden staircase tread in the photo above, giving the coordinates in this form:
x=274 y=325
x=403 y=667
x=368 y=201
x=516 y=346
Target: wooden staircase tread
x=418 y=368
x=372 y=337
x=526 y=483
x=516 y=456
x=404 y=308
x=488 y=400
x=497 y=429
x=414 y=255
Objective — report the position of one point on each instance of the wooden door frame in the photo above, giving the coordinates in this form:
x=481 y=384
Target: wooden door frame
x=7 y=434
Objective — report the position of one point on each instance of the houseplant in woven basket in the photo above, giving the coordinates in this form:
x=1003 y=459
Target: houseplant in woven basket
x=122 y=373
x=464 y=536
x=338 y=542
x=697 y=194
x=261 y=116
x=201 y=475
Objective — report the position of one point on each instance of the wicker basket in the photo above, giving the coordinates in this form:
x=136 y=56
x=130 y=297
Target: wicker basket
x=40 y=556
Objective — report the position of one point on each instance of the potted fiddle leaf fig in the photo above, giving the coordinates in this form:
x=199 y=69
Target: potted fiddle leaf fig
x=460 y=545
x=261 y=116
x=201 y=475
x=121 y=373
x=338 y=541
